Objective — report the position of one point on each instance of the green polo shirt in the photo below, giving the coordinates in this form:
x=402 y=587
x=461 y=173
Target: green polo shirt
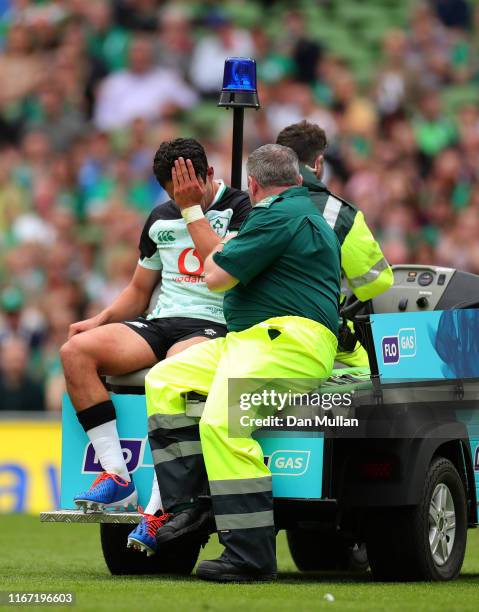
x=287 y=261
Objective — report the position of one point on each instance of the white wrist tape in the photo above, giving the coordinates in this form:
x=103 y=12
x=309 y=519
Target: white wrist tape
x=192 y=213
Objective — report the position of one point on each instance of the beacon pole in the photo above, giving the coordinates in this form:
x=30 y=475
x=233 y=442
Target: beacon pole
x=237 y=151
x=239 y=92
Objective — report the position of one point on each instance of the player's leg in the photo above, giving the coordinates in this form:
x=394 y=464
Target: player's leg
x=113 y=349
x=110 y=349
x=240 y=483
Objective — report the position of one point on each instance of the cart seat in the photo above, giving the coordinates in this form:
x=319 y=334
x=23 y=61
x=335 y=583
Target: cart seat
x=347 y=378
x=133 y=381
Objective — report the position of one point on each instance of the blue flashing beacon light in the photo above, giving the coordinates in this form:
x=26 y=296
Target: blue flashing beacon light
x=239 y=74
x=238 y=92
x=239 y=84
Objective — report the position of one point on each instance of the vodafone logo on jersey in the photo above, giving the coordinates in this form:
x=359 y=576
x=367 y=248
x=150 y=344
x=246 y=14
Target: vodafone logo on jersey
x=190 y=263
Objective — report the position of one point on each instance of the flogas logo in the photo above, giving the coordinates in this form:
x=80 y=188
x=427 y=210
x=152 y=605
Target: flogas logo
x=394 y=348
x=133 y=451
x=289 y=462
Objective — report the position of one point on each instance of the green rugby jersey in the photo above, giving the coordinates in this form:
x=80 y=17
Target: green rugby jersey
x=166 y=246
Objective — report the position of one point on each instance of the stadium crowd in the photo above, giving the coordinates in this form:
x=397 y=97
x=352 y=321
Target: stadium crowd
x=89 y=90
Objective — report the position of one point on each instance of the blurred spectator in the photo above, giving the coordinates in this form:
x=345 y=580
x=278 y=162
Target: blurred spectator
x=433 y=130
x=392 y=79
x=305 y=52
x=175 y=39
x=459 y=246
x=17 y=321
x=137 y=14
x=58 y=321
x=13 y=199
x=90 y=89
x=210 y=52
x=18 y=391
x=107 y=42
x=140 y=91
x=21 y=70
x=453 y=13
x=427 y=40
x=61 y=123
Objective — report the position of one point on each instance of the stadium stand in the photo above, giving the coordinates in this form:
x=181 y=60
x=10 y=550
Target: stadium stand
x=394 y=83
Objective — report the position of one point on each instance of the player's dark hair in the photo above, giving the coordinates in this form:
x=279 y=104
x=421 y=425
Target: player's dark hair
x=306 y=139
x=170 y=150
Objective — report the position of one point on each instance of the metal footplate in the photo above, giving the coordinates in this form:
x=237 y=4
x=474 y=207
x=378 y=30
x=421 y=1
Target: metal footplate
x=78 y=516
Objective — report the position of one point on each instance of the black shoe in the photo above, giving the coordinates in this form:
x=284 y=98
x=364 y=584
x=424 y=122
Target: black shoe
x=222 y=570
x=195 y=520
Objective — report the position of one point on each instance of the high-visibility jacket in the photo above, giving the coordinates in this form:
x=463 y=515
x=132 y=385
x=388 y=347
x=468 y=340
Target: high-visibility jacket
x=363 y=264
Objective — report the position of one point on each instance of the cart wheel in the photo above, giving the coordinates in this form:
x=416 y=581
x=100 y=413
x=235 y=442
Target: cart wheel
x=318 y=551
x=179 y=557
x=428 y=541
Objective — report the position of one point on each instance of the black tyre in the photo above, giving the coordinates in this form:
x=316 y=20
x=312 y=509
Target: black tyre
x=425 y=542
x=176 y=558
x=318 y=551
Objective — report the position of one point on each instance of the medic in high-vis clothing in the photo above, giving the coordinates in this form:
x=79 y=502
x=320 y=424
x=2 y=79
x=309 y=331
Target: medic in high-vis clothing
x=281 y=274
x=362 y=261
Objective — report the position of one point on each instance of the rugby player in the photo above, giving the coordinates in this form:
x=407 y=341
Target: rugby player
x=120 y=339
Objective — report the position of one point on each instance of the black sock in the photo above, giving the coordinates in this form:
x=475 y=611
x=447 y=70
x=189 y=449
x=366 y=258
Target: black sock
x=96 y=415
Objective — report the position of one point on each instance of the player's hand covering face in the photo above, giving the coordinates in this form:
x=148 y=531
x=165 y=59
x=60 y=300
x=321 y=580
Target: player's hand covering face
x=188 y=189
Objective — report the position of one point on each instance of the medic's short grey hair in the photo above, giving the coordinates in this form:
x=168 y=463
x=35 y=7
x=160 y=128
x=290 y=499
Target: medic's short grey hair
x=273 y=165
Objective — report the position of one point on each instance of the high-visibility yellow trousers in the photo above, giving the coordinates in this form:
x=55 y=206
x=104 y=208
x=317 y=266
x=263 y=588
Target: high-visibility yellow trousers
x=190 y=453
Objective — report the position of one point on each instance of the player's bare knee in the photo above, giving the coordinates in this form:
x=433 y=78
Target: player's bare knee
x=74 y=357
x=66 y=354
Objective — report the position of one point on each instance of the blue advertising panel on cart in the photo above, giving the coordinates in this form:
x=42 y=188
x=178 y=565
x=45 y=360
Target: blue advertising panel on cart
x=295 y=460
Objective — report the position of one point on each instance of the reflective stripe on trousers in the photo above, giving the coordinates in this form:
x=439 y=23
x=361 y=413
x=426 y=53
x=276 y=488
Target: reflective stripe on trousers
x=240 y=482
